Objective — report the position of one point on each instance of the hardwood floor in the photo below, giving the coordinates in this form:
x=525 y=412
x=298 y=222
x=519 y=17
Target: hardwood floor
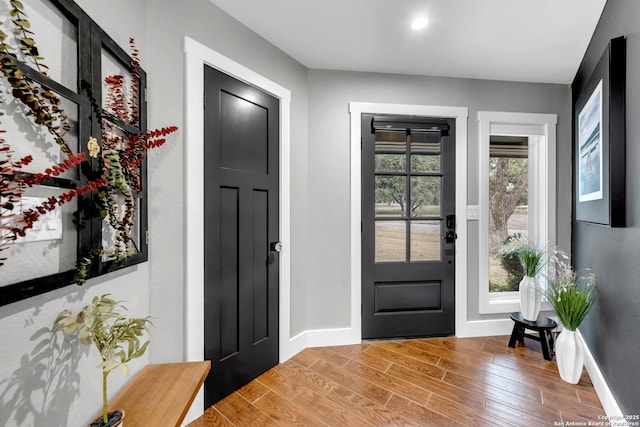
x=424 y=382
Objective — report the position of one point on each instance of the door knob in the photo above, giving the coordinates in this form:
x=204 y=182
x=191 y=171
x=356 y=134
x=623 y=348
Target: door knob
x=276 y=246
x=450 y=237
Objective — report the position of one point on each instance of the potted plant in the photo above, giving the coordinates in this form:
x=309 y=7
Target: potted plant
x=116 y=337
x=532 y=259
x=571 y=295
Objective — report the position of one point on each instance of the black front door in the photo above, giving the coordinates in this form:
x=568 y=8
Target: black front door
x=408 y=226
x=241 y=158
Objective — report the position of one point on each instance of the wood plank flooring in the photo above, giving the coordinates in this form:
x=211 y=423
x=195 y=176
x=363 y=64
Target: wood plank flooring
x=423 y=382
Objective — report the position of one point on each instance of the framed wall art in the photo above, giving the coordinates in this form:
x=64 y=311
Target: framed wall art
x=599 y=141
x=73 y=144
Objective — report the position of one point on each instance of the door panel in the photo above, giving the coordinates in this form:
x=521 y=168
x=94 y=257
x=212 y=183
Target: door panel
x=408 y=189
x=241 y=220
x=243 y=131
x=407 y=296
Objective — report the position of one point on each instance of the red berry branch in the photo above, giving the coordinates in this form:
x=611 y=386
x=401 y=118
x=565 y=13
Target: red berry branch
x=120 y=151
x=13 y=186
x=134 y=100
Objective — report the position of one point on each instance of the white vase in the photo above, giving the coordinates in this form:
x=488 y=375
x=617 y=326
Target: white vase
x=530 y=296
x=569 y=356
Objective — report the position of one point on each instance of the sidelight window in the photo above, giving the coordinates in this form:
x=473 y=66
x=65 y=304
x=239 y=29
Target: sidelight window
x=516 y=198
x=508 y=207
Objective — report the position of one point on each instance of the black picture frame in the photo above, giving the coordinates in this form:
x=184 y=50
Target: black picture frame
x=602 y=201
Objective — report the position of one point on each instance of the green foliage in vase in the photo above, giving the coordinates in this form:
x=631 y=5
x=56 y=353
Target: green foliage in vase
x=570 y=294
x=116 y=337
x=531 y=256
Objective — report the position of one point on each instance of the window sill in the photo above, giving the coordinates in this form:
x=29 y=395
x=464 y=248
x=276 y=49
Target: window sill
x=505 y=304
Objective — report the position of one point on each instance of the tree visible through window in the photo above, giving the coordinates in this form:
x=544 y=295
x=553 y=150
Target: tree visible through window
x=508 y=208
x=408 y=190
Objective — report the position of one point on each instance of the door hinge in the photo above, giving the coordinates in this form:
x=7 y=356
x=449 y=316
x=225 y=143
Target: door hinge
x=146 y=237
x=146 y=95
x=204 y=101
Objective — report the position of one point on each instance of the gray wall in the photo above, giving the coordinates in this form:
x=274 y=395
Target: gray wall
x=43 y=380
x=328 y=174
x=61 y=383
x=168 y=22
x=611 y=329
x=319 y=196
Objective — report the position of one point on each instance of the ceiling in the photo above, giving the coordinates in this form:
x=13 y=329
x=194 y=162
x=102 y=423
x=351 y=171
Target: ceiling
x=516 y=40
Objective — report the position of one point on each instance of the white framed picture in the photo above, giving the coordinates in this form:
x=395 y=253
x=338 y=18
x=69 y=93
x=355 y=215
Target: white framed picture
x=590 y=169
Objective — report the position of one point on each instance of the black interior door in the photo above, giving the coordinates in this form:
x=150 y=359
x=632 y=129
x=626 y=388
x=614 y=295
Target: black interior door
x=408 y=226
x=241 y=155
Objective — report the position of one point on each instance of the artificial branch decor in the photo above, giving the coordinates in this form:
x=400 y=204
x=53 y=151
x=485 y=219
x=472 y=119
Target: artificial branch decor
x=119 y=150
x=116 y=338
x=122 y=153
x=42 y=104
x=12 y=187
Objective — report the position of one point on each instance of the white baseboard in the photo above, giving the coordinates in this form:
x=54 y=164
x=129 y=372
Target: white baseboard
x=197 y=407
x=320 y=338
x=607 y=399
x=347 y=336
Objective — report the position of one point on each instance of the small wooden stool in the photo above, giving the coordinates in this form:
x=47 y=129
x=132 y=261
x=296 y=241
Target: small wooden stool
x=542 y=325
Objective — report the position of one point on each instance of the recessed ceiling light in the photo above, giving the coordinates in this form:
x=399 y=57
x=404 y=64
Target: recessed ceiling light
x=419 y=23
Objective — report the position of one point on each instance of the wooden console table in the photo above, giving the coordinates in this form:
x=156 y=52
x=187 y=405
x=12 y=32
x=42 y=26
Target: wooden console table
x=161 y=394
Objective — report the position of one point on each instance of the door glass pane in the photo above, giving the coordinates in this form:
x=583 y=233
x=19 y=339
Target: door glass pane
x=56 y=39
x=391 y=241
x=391 y=196
x=508 y=207
x=425 y=195
x=425 y=152
x=391 y=149
x=425 y=240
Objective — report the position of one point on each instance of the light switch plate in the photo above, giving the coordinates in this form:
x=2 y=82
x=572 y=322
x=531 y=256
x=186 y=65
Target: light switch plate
x=473 y=212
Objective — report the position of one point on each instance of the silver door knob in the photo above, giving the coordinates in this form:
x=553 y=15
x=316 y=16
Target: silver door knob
x=276 y=246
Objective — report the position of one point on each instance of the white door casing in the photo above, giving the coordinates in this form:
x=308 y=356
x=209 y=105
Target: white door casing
x=196 y=56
